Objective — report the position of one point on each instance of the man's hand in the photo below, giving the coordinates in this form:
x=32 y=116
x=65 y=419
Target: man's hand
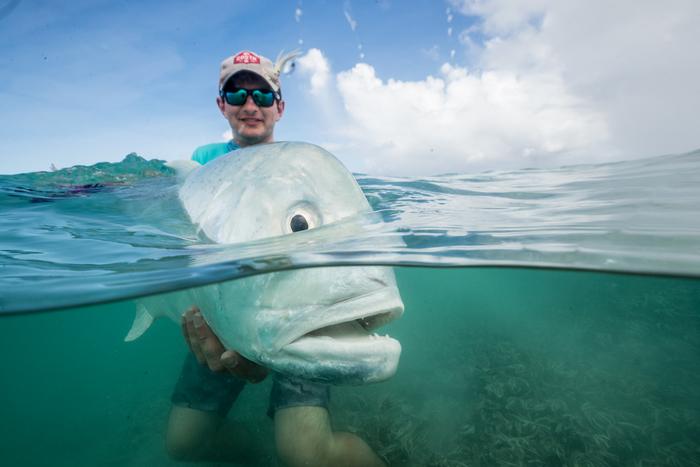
x=210 y=351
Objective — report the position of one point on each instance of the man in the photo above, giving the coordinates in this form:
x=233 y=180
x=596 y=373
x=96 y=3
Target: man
x=212 y=377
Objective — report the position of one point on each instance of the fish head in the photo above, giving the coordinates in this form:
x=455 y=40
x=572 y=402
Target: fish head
x=317 y=323
x=270 y=190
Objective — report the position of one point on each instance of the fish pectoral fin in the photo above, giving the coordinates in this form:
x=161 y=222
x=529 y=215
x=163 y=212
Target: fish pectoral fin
x=142 y=321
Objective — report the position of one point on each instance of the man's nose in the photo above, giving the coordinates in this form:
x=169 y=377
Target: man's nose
x=250 y=104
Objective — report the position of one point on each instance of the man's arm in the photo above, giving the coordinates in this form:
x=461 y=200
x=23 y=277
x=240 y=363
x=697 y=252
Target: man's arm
x=210 y=351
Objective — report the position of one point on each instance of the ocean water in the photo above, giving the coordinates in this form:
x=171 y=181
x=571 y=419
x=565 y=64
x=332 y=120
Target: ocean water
x=552 y=315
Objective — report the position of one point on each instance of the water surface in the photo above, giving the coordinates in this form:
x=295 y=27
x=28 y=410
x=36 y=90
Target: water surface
x=118 y=230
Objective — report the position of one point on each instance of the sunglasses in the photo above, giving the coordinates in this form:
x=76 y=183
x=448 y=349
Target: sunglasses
x=238 y=96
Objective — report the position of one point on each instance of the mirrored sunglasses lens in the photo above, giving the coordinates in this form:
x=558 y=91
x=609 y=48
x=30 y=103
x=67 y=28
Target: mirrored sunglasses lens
x=236 y=97
x=263 y=98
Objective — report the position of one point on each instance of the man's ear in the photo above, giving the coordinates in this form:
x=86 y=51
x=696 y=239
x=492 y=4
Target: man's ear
x=220 y=104
x=280 y=108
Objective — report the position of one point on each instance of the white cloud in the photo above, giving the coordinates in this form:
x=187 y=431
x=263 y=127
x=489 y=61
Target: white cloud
x=316 y=66
x=634 y=62
x=461 y=120
x=503 y=17
x=549 y=83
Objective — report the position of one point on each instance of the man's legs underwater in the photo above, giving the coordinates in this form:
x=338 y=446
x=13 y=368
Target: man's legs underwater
x=303 y=433
x=197 y=426
x=196 y=435
x=304 y=437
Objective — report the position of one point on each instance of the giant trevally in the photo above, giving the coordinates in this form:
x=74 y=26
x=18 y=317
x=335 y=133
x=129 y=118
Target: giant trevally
x=316 y=323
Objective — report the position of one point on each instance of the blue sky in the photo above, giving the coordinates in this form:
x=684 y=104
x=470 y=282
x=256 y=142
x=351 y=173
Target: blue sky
x=416 y=87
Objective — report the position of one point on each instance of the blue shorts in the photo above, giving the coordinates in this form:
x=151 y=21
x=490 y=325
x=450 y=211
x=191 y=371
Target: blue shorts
x=200 y=388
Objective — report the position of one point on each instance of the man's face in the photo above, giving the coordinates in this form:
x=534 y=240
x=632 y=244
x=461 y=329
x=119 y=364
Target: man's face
x=250 y=123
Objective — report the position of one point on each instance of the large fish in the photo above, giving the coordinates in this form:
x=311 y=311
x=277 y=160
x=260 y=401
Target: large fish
x=316 y=323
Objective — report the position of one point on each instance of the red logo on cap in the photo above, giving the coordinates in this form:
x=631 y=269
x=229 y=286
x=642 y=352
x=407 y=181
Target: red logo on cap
x=246 y=57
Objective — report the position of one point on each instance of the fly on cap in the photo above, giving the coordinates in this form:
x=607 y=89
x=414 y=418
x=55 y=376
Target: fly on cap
x=249 y=61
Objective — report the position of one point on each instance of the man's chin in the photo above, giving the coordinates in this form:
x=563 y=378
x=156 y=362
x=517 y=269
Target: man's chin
x=251 y=139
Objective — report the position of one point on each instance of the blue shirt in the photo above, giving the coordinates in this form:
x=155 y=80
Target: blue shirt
x=209 y=152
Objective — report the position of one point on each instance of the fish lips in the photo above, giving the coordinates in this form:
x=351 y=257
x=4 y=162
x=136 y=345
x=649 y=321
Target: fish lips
x=342 y=348
x=350 y=360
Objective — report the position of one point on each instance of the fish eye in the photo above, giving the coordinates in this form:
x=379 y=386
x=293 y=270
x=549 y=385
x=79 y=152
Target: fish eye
x=298 y=223
x=301 y=216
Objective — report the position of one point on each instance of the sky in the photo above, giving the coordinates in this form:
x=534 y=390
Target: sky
x=406 y=88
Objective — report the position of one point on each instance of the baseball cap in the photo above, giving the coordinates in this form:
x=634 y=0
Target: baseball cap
x=252 y=62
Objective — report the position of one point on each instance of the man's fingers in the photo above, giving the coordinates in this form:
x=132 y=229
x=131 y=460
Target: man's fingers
x=192 y=339
x=230 y=360
x=209 y=350
x=211 y=347
x=240 y=366
x=201 y=329
x=212 y=352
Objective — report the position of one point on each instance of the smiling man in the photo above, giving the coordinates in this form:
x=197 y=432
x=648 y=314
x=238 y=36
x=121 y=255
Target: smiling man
x=253 y=119
x=212 y=377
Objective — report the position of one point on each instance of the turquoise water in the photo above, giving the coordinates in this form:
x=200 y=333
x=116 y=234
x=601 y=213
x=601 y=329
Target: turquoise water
x=532 y=367
x=552 y=316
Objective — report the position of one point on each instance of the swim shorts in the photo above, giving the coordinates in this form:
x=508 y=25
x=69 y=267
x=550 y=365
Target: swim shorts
x=200 y=388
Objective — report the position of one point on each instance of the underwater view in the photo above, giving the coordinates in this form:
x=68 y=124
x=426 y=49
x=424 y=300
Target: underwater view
x=551 y=316
x=499 y=367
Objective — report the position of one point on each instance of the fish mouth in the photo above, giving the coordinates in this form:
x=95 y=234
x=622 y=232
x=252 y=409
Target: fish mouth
x=342 y=348
x=353 y=332
x=356 y=317
x=353 y=328
x=344 y=353
x=345 y=350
